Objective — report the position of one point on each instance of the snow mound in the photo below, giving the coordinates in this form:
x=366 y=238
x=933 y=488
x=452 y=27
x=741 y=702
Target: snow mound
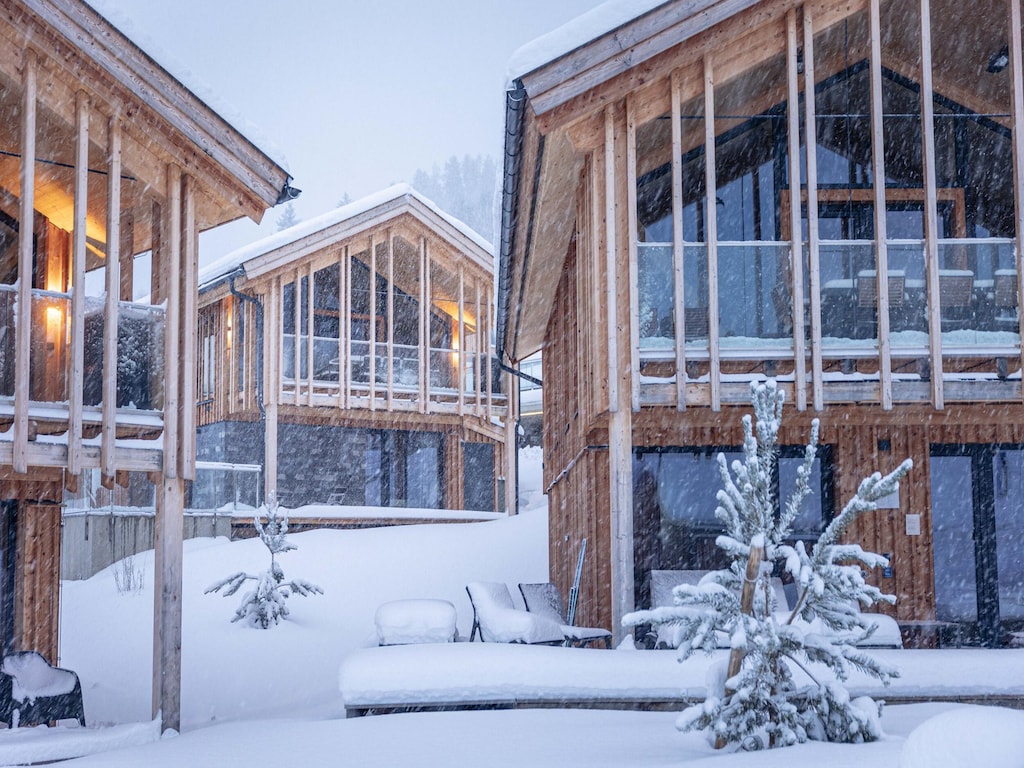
x=988 y=736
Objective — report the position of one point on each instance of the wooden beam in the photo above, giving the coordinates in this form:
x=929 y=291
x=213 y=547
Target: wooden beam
x=813 y=255
x=611 y=300
x=796 y=261
x=127 y=254
x=113 y=288
x=632 y=235
x=309 y=333
x=1017 y=73
x=422 y=329
x=189 y=327
x=346 y=359
x=931 y=224
x=711 y=236
x=391 y=317
x=78 y=256
x=275 y=322
x=26 y=215
x=480 y=328
x=881 y=235
x=344 y=322
x=678 y=262
x=461 y=348
x=171 y=264
x=372 y=333
x=429 y=299
x=296 y=335
x=168 y=533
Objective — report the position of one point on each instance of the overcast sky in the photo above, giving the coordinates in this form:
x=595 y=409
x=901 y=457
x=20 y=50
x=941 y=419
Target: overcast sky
x=353 y=95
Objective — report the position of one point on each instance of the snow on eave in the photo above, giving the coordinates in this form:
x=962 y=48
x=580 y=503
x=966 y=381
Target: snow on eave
x=366 y=205
x=612 y=39
x=158 y=80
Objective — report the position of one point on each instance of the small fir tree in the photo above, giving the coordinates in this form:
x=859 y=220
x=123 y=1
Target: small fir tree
x=264 y=606
x=288 y=218
x=754 y=699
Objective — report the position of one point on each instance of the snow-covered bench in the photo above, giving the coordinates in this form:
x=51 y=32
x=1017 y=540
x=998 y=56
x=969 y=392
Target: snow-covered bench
x=33 y=692
x=404 y=622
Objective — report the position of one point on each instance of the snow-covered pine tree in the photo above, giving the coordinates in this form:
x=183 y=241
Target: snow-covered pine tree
x=759 y=697
x=264 y=606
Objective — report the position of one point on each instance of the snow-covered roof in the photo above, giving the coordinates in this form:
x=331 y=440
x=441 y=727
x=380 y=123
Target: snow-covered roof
x=591 y=25
x=180 y=72
x=232 y=261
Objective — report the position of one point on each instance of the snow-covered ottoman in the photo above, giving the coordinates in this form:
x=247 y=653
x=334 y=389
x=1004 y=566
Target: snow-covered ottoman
x=402 y=622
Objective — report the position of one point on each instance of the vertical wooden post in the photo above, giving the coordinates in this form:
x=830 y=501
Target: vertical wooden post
x=633 y=271
x=171 y=263
x=620 y=421
x=511 y=444
x=110 y=309
x=346 y=320
x=391 y=317
x=881 y=234
x=477 y=351
x=167 y=538
x=422 y=329
x=274 y=334
x=711 y=184
x=78 y=256
x=426 y=330
x=127 y=255
x=1017 y=70
x=609 y=246
x=796 y=261
x=26 y=228
x=678 y=263
x=343 y=325
x=189 y=328
x=372 y=333
x=310 y=290
x=813 y=255
x=931 y=224
x=489 y=308
x=461 y=346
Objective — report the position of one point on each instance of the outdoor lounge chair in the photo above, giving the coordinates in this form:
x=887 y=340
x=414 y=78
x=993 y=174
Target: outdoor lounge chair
x=545 y=600
x=33 y=692
x=497 y=619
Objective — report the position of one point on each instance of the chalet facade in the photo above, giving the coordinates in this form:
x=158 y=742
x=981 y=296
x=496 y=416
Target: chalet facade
x=829 y=193
x=106 y=158
x=350 y=355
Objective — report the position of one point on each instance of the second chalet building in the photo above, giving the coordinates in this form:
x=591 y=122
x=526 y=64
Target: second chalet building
x=350 y=355
x=830 y=193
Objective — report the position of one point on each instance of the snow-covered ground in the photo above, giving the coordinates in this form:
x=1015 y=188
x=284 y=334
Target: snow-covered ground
x=257 y=698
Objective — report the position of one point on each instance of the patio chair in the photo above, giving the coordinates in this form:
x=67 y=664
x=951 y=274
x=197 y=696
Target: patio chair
x=545 y=600
x=497 y=620
x=1005 y=299
x=33 y=692
x=956 y=296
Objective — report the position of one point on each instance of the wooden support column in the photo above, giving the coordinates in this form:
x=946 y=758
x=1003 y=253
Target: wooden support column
x=26 y=215
x=110 y=308
x=344 y=325
x=611 y=300
x=391 y=318
x=189 y=330
x=678 y=263
x=296 y=335
x=460 y=351
x=632 y=249
x=423 y=329
x=170 y=265
x=489 y=372
x=710 y=205
x=620 y=421
x=167 y=539
x=427 y=317
x=512 y=444
x=309 y=333
x=1017 y=73
x=272 y=386
x=881 y=234
x=78 y=256
x=931 y=224
x=372 y=333
x=478 y=350
x=796 y=261
x=813 y=260
x=127 y=255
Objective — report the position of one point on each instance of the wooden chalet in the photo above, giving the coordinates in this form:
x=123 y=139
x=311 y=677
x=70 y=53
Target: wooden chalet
x=350 y=355
x=668 y=236
x=106 y=158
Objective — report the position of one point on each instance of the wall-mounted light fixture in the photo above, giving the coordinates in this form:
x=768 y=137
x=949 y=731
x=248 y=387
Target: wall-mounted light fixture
x=998 y=61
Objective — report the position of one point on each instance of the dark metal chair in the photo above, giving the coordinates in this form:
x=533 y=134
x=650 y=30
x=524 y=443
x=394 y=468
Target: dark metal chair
x=545 y=600
x=33 y=692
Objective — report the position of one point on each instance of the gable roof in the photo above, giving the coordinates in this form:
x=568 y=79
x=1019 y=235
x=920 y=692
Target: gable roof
x=346 y=221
